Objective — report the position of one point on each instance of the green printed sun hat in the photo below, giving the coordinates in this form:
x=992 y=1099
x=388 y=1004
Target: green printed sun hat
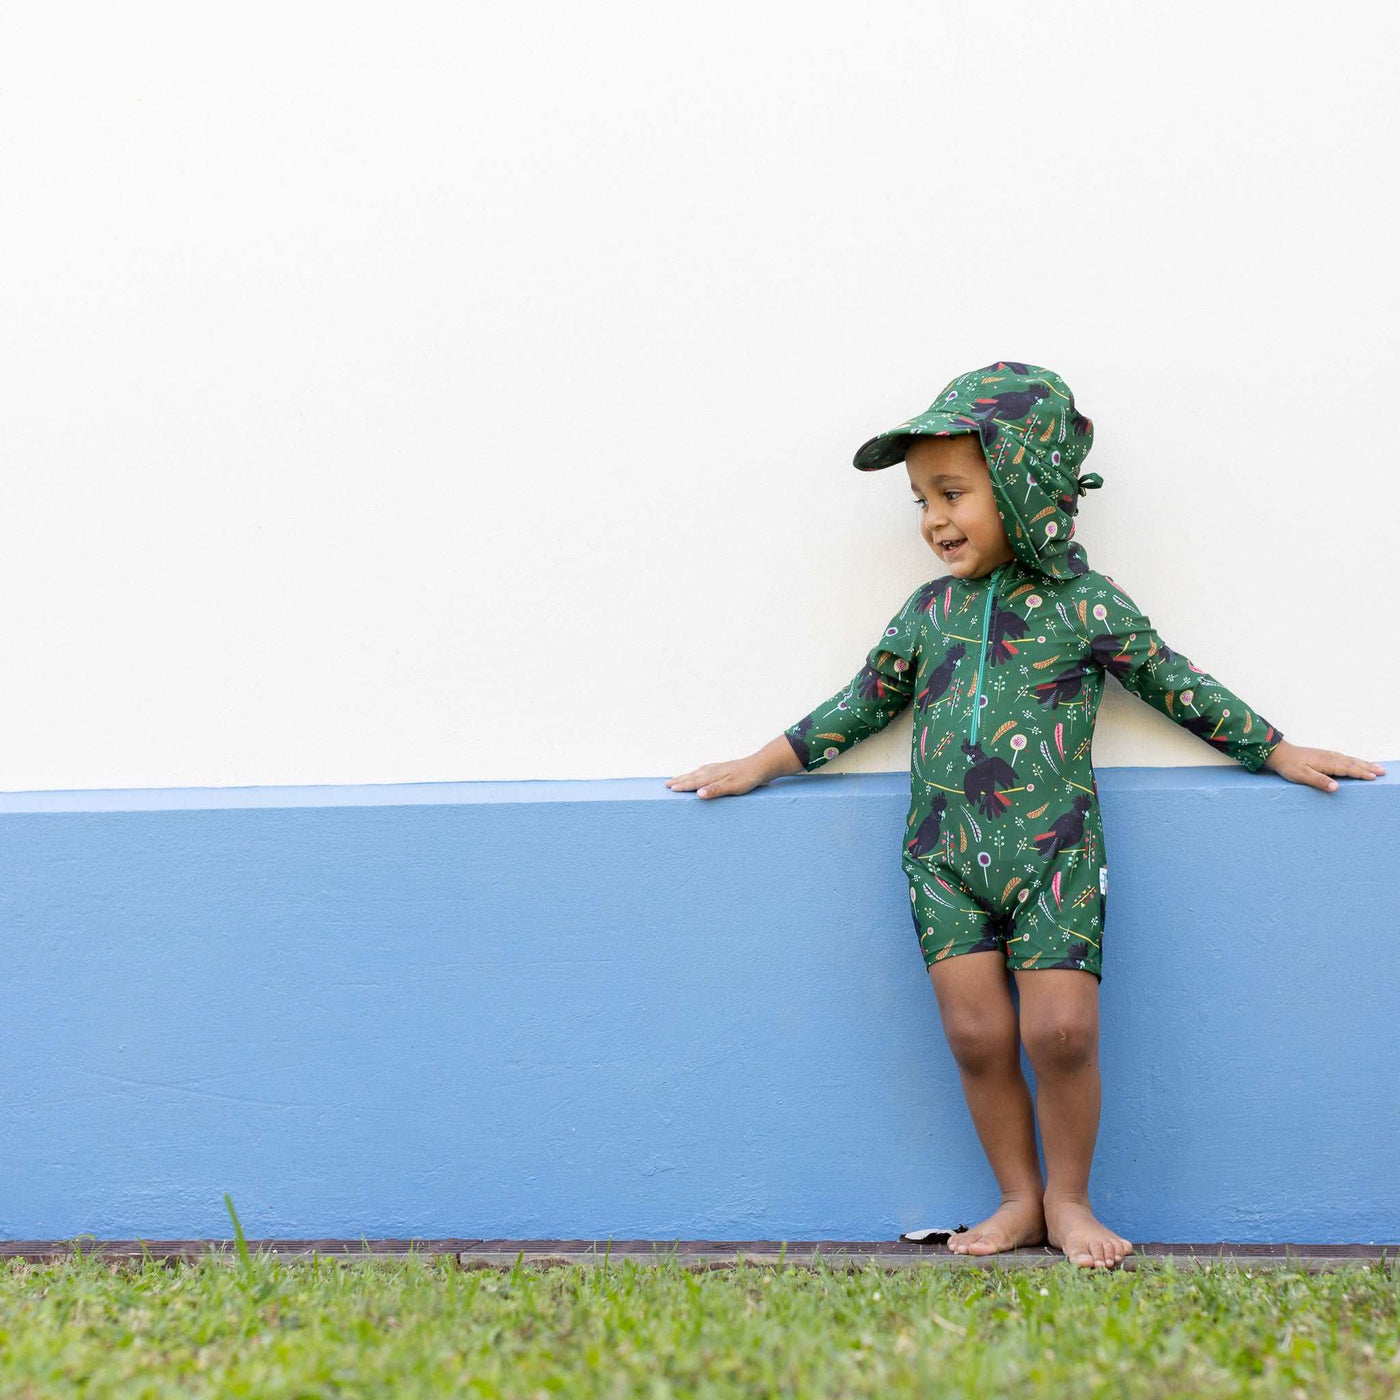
x=1033 y=439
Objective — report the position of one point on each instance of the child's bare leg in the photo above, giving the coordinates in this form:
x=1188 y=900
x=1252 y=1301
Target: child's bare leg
x=979 y=1020
x=1060 y=1028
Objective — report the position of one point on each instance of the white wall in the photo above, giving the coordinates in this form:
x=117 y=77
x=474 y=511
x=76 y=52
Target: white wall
x=449 y=391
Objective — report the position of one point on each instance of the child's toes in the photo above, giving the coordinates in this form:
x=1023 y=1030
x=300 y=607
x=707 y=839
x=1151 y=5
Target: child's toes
x=978 y=1244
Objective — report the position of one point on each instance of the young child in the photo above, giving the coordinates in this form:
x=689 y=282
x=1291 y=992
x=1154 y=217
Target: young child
x=1004 y=658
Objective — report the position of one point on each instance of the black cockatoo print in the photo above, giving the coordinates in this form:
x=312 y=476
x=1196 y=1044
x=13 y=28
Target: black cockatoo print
x=1065 y=686
x=1077 y=421
x=1204 y=727
x=1065 y=831
x=984 y=777
x=1076 y=559
x=930 y=831
x=797 y=737
x=939 y=678
x=1076 y=955
x=1107 y=651
x=870 y=684
x=1013 y=404
x=1003 y=630
x=927 y=593
x=995 y=930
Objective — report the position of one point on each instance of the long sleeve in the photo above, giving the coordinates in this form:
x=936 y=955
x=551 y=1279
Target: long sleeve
x=874 y=696
x=1124 y=642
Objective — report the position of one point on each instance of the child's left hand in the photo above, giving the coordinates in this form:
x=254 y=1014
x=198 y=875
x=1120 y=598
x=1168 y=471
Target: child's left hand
x=1312 y=766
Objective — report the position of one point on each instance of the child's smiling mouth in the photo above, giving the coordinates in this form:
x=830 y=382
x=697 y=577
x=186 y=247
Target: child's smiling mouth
x=951 y=546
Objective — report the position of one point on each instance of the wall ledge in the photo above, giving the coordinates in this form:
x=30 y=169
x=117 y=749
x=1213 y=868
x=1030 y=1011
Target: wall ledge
x=1222 y=776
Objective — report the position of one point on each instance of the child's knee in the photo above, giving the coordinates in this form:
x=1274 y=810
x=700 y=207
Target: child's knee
x=1061 y=1040
x=980 y=1041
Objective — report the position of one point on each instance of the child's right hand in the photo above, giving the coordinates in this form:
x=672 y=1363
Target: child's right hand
x=727 y=779
x=1313 y=766
x=776 y=759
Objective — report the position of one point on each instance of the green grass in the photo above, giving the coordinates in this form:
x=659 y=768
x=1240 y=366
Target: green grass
x=255 y=1325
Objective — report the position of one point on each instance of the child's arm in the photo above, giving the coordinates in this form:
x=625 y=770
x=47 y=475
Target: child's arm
x=875 y=695
x=872 y=698
x=1125 y=642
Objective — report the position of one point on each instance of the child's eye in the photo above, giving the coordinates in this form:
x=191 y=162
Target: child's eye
x=951 y=494
x=920 y=502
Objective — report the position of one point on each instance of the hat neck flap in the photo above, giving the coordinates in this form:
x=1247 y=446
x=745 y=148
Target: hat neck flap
x=1034 y=441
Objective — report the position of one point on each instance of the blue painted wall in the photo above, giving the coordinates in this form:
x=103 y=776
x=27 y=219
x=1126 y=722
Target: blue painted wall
x=563 y=1009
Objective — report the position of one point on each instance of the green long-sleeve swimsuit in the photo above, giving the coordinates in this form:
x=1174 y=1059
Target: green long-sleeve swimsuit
x=1003 y=846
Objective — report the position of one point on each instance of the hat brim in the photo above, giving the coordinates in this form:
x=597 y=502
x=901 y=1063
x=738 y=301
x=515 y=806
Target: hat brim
x=890 y=447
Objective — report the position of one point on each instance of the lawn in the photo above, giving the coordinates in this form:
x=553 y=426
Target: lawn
x=253 y=1325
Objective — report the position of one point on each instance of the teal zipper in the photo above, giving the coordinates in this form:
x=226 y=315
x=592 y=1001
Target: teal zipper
x=982 y=660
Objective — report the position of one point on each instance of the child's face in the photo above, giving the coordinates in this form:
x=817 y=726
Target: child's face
x=951 y=482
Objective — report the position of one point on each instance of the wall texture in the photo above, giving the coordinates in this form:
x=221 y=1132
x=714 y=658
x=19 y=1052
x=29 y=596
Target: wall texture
x=469 y=392
x=581 y=1009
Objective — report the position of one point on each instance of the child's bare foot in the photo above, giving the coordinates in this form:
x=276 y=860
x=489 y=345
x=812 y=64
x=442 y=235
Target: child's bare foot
x=1072 y=1228
x=1013 y=1223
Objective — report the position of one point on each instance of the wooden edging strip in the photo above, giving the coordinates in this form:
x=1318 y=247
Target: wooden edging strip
x=495 y=1253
